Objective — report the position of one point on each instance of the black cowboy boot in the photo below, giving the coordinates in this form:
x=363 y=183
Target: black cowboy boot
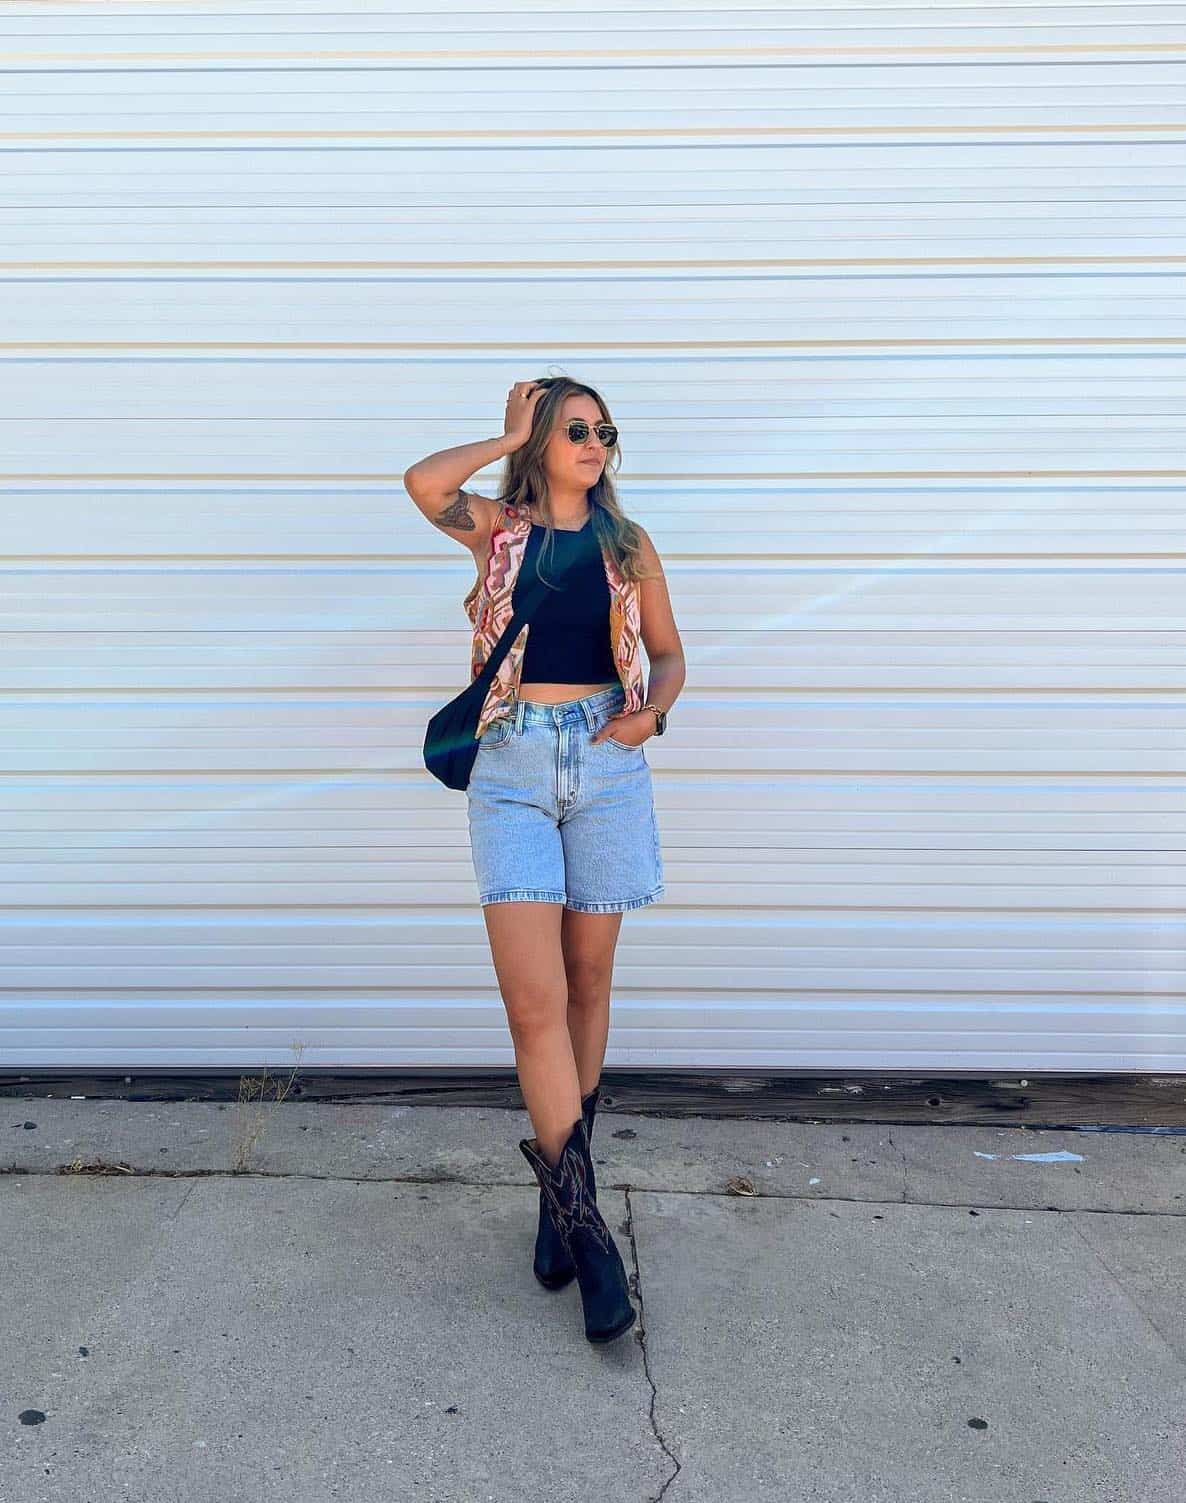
x=552 y=1263
x=605 y=1293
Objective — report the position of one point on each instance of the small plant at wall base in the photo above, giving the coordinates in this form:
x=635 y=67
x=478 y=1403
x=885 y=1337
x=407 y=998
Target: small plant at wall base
x=256 y=1094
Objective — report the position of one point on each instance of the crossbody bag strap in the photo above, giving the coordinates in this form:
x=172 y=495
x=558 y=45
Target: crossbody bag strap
x=532 y=600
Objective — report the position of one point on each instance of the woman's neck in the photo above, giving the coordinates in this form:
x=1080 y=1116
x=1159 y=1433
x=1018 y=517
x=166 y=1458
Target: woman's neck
x=562 y=523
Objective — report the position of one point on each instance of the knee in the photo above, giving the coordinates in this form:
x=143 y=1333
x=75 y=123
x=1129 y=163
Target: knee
x=532 y=1011
x=589 y=983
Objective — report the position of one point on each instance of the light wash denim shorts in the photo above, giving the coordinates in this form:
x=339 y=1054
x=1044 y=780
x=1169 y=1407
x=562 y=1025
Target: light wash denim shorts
x=555 y=819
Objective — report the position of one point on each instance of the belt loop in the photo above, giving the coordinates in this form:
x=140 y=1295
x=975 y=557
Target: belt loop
x=519 y=703
x=590 y=717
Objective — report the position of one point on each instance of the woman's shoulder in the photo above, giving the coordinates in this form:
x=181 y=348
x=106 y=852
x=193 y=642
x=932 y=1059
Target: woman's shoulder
x=648 y=554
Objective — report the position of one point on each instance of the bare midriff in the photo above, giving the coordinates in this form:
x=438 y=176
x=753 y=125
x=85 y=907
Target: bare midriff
x=555 y=694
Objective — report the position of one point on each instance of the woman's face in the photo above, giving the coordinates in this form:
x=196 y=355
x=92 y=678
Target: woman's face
x=575 y=465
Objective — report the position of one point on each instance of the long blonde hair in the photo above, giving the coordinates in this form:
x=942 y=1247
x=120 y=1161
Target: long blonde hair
x=526 y=482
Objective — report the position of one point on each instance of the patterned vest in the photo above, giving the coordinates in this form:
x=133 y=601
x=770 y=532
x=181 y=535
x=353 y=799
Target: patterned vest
x=489 y=608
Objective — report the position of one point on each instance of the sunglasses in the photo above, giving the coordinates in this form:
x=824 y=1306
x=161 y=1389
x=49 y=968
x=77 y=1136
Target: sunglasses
x=578 y=431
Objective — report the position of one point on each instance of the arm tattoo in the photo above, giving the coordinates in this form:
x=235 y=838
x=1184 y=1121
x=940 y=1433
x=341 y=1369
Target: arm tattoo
x=456 y=515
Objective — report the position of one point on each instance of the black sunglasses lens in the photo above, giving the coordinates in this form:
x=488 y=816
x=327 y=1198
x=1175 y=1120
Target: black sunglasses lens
x=578 y=432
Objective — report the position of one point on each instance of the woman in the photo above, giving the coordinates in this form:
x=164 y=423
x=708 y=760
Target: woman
x=561 y=816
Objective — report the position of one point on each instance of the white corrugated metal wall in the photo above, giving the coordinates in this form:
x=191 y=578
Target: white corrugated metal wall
x=888 y=303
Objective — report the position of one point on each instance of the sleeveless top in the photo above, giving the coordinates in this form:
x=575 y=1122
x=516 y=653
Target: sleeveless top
x=569 y=641
x=490 y=605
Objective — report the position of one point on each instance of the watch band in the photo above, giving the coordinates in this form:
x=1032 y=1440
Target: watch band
x=660 y=717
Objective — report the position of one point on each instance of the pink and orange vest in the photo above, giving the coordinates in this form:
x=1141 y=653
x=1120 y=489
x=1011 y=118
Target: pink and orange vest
x=488 y=606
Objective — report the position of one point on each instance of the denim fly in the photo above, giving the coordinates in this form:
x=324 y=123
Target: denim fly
x=556 y=819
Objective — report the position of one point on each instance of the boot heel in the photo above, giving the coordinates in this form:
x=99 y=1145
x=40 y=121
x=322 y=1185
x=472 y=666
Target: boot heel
x=601 y=1275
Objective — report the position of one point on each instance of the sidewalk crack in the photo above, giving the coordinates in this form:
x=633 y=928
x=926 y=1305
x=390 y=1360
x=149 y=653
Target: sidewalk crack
x=183 y=1201
x=1129 y=1296
x=901 y=1154
x=641 y=1337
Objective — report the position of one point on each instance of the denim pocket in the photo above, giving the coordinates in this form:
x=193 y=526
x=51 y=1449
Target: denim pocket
x=608 y=739
x=498 y=734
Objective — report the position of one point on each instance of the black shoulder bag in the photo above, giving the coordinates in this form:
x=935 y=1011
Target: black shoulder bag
x=451 y=742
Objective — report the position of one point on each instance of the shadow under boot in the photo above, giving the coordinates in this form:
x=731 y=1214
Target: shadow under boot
x=601 y=1275
x=552 y=1263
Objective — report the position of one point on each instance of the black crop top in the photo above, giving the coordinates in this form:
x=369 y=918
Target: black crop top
x=568 y=641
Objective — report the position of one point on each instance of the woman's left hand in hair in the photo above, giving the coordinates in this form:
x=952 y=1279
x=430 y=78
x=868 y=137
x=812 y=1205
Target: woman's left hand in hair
x=631 y=729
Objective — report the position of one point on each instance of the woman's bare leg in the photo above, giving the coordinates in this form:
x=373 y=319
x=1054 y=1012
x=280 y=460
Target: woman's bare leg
x=529 y=963
x=588 y=941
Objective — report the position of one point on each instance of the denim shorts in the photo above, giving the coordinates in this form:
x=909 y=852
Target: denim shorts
x=555 y=819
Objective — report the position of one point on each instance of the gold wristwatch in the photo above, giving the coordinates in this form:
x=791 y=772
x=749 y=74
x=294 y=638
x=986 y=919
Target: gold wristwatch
x=660 y=718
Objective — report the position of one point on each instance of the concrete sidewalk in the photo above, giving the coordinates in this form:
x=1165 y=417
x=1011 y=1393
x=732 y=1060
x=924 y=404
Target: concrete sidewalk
x=898 y=1315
